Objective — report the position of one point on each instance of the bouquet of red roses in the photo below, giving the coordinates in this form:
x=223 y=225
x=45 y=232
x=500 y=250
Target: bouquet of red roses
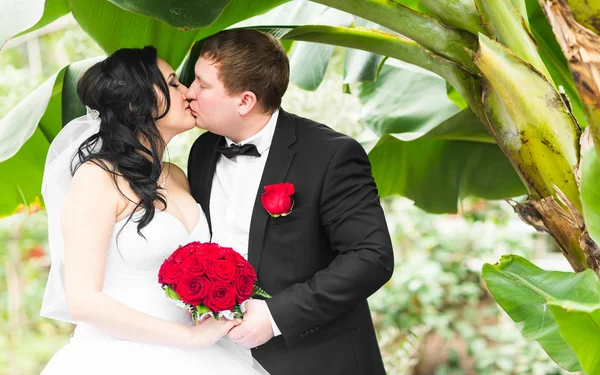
x=209 y=279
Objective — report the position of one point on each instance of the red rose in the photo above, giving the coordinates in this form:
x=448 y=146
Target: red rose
x=169 y=273
x=195 y=265
x=161 y=272
x=277 y=199
x=211 y=251
x=193 y=247
x=193 y=290
x=181 y=254
x=222 y=270
x=234 y=257
x=248 y=270
x=221 y=297
x=244 y=286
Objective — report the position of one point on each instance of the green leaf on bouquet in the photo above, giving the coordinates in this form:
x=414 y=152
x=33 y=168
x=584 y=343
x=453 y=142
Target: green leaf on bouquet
x=260 y=292
x=237 y=311
x=195 y=315
x=202 y=309
x=171 y=293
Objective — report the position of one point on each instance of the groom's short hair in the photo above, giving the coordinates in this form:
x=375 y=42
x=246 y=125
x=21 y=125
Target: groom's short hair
x=250 y=60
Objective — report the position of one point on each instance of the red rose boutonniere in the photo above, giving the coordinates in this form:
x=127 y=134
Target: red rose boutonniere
x=277 y=199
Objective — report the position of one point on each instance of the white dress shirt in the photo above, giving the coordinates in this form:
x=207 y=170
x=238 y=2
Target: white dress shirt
x=234 y=188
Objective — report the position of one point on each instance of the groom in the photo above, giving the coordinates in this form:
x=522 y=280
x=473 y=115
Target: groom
x=321 y=261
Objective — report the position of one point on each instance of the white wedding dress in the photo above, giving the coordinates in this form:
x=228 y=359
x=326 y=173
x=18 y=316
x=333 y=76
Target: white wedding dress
x=131 y=277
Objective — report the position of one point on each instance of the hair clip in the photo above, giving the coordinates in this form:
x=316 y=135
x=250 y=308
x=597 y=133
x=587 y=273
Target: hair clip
x=92 y=112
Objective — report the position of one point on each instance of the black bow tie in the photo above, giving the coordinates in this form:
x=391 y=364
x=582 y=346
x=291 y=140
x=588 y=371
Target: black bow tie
x=236 y=150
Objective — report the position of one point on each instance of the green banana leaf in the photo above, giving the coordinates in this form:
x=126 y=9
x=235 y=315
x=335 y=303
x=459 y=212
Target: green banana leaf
x=309 y=61
x=390 y=105
x=182 y=14
x=113 y=27
x=435 y=154
x=40 y=117
x=579 y=325
x=29 y=15
x=524 y=291
x=436 y=174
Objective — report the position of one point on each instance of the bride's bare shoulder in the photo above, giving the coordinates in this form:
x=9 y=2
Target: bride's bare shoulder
x=97 y=169
x=95 y=178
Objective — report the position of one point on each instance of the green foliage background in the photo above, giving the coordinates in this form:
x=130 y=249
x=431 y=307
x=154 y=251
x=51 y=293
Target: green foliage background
x=434 y=316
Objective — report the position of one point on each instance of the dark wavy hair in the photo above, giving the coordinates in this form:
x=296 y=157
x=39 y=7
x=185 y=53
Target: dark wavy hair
x=123 y=88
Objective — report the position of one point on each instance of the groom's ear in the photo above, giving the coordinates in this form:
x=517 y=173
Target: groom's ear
x=247 y=101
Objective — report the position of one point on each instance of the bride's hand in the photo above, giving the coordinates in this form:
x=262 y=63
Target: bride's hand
x=207 y=332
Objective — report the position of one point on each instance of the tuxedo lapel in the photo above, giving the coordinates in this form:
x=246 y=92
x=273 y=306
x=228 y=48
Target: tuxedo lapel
x=212 y=157
x=276 y=169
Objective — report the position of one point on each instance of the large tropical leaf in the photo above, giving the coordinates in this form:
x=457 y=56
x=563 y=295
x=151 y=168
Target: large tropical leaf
x=389 y=105
x=183 y=14
x=579 y=325
x=438 y=154
x=22 y=174
x=436 y=174
x=524 y=290
x=22 y=17
x=19 y=16
x=113 y=27
x=359 y=65
x=39 y=117
x=308 y=73
x=20 y=123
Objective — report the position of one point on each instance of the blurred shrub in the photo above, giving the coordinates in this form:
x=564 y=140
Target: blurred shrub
x=435 y=316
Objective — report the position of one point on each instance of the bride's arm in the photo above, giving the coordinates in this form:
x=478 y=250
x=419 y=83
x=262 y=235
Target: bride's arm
x=91 y=206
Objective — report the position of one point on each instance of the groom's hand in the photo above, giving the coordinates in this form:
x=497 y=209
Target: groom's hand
x=256 y=328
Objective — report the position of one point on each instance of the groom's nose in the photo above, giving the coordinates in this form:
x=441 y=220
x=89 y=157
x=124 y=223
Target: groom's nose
x=190 y=94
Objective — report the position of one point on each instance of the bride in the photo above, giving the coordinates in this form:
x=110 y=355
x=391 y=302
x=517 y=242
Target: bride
x=115 y=212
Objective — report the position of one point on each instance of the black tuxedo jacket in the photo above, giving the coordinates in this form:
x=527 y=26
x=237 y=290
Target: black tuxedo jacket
x=322 y=261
